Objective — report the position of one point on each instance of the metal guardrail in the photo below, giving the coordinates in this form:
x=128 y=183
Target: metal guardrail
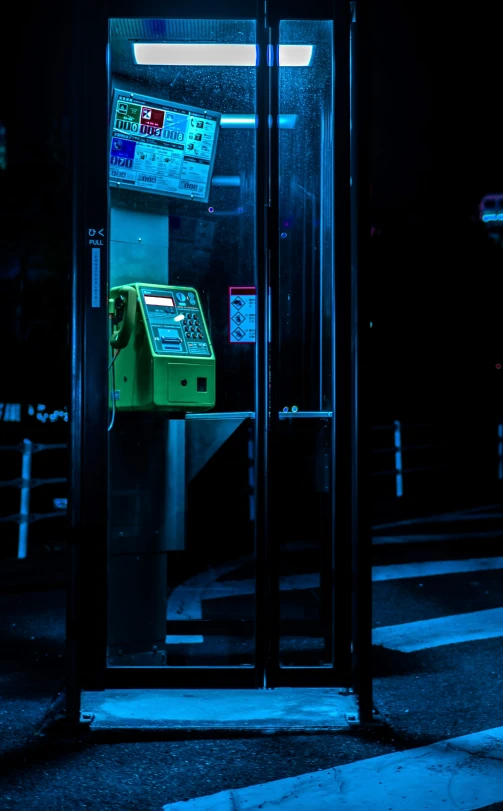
x=500 y=451
x=26 y=483
x=398 y=449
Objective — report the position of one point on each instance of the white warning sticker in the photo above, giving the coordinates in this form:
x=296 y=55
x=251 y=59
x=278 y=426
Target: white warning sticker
x=95 y=276
x=242 y=315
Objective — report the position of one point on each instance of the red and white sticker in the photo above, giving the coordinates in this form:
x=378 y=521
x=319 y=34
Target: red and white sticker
x=242 y=315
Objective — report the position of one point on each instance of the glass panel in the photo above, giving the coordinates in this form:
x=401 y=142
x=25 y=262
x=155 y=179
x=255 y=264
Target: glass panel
x=182 y=265
x=305 y=336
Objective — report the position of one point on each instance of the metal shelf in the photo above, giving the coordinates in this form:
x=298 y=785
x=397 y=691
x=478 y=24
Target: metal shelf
x=305 y=415
x=250 y=415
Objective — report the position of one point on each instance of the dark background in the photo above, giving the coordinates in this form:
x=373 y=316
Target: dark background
x=436 y=275
x=35 y=196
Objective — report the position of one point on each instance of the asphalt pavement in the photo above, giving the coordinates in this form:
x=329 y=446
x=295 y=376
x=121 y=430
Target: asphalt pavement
x=430 y=694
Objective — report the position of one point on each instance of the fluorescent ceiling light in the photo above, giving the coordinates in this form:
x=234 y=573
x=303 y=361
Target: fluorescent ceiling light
x=239 y=122
x=216 y=54
x=166 y=53
x=250 y=122
x=295 y=56
x=287 y=122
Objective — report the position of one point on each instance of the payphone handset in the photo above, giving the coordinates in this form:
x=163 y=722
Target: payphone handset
x=120 y=339
x=164 y=358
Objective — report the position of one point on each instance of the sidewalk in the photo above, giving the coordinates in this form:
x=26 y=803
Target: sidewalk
x=31 y=654
x=41 y=775
x=433 y=695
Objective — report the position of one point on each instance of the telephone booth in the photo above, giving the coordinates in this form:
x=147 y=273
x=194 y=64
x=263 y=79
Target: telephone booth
x=219 y=515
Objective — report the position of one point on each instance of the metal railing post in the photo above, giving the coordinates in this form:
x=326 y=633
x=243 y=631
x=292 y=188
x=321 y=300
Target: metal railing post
x=500 y=451
x=398 y=459
x=24 y=512
x=25 y=482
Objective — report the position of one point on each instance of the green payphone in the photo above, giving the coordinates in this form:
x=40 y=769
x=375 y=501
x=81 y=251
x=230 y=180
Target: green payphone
x=163 y=358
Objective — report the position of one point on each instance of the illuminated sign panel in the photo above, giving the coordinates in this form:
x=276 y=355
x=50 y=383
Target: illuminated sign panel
x=162 y=147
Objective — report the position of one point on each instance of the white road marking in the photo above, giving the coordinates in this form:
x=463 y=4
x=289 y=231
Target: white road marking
x=471 y=514
x=380 y=540
x=237 y=588
x=465 y=772
x=188 y=597
x=405 y=571
x=451 y=630
x=184 y=639
x=186 y=600
x=215 y=590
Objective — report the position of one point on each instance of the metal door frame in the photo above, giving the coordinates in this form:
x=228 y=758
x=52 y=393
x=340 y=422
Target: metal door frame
x=87 y=588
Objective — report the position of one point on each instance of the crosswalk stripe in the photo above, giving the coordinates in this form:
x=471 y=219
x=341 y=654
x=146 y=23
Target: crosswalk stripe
x=451 y=630
x=189 y=596
x=185 y=601
x=381 y=540
x=472 y=514
x=463 y=772
x=192 y=595
x=404 y=571
x=184 y=639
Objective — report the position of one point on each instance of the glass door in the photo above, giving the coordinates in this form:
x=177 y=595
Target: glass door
x=304 y=343
x=302 y=279
x=183 y=200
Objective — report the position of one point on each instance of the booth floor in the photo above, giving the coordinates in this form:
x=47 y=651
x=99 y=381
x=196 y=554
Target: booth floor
x=239 y=711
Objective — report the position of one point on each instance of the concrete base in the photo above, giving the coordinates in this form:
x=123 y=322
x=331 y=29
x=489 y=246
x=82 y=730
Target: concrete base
x=219 y=712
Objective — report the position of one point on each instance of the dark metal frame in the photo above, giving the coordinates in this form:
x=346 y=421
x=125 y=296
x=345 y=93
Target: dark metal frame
x=86 y=623
x=360 y=400
x=261 y=438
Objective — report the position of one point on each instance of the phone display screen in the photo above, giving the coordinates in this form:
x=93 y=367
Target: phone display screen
x=159 y=301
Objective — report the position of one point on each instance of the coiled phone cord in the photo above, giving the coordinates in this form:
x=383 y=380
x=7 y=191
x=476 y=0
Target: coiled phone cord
x=111 y=366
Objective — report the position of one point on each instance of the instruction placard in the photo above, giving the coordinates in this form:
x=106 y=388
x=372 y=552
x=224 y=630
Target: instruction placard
x=162 y=147
x=242 y=315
